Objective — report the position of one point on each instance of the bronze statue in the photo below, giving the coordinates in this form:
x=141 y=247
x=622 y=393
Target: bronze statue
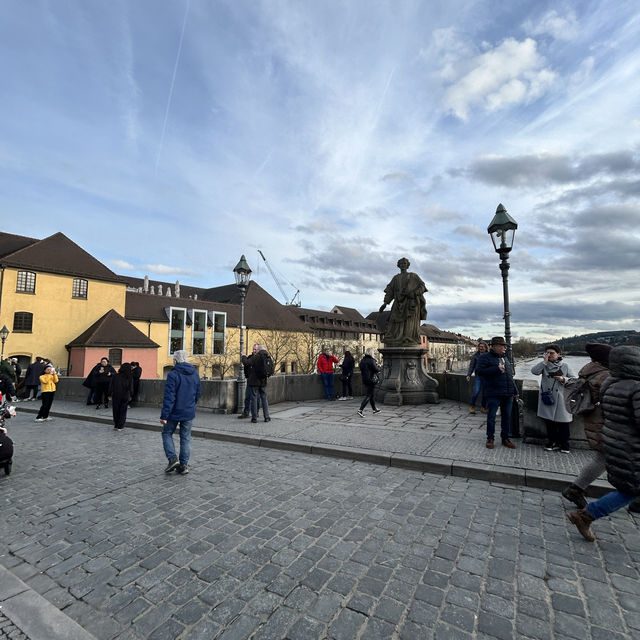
x=408 y=308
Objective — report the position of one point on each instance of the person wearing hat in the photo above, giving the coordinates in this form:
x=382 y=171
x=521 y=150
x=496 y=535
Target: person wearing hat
x=551 y=407
x=620 y=394
x=595 y=373
x=181 y=392
x=499 y=389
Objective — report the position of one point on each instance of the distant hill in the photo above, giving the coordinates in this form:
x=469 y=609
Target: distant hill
x=576 y=344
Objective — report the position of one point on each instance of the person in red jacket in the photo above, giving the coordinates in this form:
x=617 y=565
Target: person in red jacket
x=326 y=364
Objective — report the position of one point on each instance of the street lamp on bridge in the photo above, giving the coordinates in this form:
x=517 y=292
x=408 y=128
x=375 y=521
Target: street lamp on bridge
x=242 y=272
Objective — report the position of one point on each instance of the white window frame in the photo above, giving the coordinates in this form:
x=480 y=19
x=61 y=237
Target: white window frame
x=213 y=332
x=184 y=326
x=193 y=324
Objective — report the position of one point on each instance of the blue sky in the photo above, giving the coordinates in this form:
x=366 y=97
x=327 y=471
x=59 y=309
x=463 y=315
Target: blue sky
x=170 y=137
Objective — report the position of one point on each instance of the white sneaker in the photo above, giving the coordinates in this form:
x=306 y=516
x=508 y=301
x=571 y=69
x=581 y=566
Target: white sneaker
x=39 y=419
x=360 y=413
x=47 y=419
x=377 y=410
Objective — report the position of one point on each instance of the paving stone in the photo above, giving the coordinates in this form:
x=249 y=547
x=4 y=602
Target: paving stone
x=347 y=625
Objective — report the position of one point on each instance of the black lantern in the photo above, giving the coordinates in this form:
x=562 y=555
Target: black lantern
x=242 y=272
x=4 y=334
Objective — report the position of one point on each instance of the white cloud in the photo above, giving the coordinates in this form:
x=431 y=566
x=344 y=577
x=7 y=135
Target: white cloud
x=555 y=25
x=510 y=74
x=122 y=264
x=165 y=269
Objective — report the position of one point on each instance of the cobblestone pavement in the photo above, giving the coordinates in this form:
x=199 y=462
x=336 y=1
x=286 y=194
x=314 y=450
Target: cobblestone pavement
x=9 y=630
x=261 y=543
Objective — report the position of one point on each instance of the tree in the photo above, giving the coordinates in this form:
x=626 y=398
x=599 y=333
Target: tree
x=524 y=347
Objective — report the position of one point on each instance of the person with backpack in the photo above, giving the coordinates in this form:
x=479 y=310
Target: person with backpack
x=348 y=364
x=325 y=366
x=594 y=374
x=261 y=368
x=551 y=407
x=620 y=394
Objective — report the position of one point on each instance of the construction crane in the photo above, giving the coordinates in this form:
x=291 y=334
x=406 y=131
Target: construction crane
x=295 y=300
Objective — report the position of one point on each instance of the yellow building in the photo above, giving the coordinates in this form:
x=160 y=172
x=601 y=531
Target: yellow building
x=51 y=290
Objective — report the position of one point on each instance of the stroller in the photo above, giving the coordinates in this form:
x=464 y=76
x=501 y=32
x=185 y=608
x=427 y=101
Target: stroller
x=6 y=444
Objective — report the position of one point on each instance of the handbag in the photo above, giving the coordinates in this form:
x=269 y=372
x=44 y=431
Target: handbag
x=375 y=378
x=547 y=398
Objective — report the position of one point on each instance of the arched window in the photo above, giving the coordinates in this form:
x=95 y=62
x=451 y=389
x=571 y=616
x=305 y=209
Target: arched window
x=23 y=322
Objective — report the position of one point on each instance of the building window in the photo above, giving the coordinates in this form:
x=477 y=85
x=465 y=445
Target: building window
x=294 y=367
x=176 y=330
x=80 y=287
x=199 y=333
x=26 y=282
x=219 y=328
x=115 y=357
x=283 y=367
x=22 y=321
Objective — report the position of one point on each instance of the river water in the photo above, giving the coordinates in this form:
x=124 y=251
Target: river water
x=523 y=368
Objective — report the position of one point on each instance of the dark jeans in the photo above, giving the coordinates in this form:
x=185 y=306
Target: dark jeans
x=259 y=394
x=370 y=390
x=609 y=503
x=558 y=432
x=247 y=401
x=327 y=383
x=506 y=404
x=476 y=392
x=346 y=385
x=47 y=401
x=119 y=408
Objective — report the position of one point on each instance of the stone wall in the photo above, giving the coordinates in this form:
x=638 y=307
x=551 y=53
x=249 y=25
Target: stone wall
x=220 y=396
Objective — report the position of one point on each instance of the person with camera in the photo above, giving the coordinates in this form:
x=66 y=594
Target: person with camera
x=499 y=389
x=551 y=407
x=48 y=381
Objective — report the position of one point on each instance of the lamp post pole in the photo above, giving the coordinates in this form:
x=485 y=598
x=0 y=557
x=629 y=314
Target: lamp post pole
x=4 y=334
x=502 y=230
x=242 y=273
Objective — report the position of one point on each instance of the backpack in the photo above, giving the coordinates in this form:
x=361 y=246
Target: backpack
x=577 y=396
x=264 y=366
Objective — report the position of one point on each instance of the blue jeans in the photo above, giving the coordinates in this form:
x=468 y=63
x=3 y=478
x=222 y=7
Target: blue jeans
x=327 y=383
x=609 y=503
x=168 y=430
x=506 y=404
x=258 y=395
x=476 y=392
x=247 y=401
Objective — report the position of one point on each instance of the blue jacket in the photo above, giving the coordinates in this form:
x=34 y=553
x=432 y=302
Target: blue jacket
x=496 y=382
x=181 y=392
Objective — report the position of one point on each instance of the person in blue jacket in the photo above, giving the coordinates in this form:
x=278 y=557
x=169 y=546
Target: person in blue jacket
x=181 y=392
x=499 y=389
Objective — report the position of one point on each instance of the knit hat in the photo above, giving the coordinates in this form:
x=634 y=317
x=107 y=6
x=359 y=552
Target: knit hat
x=599 y=352
x=498 y=340
x=180 y=356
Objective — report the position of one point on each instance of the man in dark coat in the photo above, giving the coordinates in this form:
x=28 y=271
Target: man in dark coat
x=499 y=389
x=620 y=437
x=32 y=378
x=257 y=382
x=247 y=394
x=181 y=392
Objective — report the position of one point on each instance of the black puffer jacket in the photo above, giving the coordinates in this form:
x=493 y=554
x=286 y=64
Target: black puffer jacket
x=621 y=408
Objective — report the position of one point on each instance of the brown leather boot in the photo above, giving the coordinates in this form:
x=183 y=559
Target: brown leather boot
x=575 y=494
x=583 y=519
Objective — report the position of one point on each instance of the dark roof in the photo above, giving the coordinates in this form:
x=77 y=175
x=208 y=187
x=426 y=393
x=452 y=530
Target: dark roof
x=144 y=306
x=261 y=310
x=433 y=333
x=348 y=313
x=10 y=243
x=318 y=318
x=112 y=330
x=380 y=319
x=56 y=254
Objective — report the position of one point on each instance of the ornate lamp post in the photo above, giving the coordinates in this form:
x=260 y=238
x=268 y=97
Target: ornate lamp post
x=502 y=230
x=4 y=334
x=242 y=272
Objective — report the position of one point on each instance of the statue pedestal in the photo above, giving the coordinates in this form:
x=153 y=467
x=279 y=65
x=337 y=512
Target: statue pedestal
x=404 y=379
